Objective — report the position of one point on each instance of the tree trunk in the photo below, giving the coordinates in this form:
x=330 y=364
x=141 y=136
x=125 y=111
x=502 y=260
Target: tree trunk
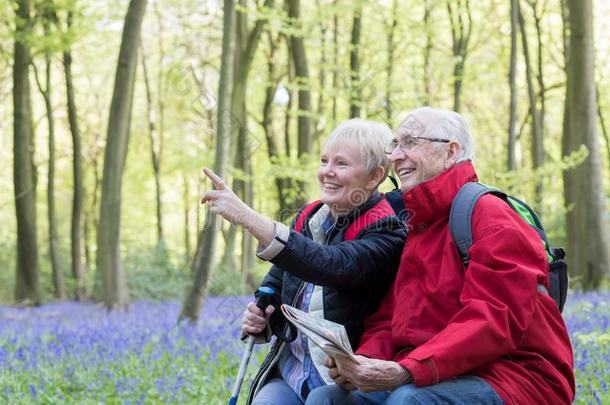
x=46 y=92
x=290 y=105
x=461 y=29
x=354 y=65
x=202 y=265
x=246 y=46
x=115 y=292
x=76 y=244
x=186 y=201
x=299 y=60
x=540 y=74
x=428 y=27
x=27 y=289
x=91 y=222
x=602 y=124
x=512 y=82
x=273 y=79
x=390 y=62
x=301 y=69
x=156 y=148
x=537 y=141
x=335 y=62
x=587 y=227
x=320 y=121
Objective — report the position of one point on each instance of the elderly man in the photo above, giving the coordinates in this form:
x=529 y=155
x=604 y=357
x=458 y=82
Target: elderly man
x=448 y=335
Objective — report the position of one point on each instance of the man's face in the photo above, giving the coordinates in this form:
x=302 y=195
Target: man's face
x=416 y=158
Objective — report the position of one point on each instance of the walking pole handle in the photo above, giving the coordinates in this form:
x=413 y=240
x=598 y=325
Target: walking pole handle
x=264 y=298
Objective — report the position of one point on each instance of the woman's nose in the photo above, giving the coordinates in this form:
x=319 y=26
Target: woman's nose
x=327 y=170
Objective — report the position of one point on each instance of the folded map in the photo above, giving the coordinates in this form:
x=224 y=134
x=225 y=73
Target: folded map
x=330 y=336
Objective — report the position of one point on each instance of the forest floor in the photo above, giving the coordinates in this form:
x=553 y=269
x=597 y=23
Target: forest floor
x=72 y=353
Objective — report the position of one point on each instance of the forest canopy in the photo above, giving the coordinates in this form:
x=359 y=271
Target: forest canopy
x=78 y=76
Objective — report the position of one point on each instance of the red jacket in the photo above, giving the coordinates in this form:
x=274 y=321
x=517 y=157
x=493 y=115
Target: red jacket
x=440 y=321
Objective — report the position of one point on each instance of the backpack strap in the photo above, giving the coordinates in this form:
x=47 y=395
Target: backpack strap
x=395 y=200
x=377 y=212
x=460 y=216
x=305 y=213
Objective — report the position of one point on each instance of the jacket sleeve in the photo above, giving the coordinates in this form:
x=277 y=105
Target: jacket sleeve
x=498 y=297
x=376 y=341
x=365 y=263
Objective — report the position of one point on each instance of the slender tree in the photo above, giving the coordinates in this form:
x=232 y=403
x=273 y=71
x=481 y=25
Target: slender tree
x=273 y=150
x=587 y=227
x=461 y=29
x=115 y=292
x=428 y=29
x=319 y=121
x=391 y=48
x=335 y=61
x=186 y=199
x=354 y=65
x=512 y=83
x=301 y=68
x=537 y=140
x=77 y=223
x=246 y=45
x=156 y=147
x=602 y=124
x=27 y=287
x=46 y=92
x=204 y=257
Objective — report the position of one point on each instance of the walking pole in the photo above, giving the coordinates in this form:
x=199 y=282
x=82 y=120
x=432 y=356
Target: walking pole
x=262 y=301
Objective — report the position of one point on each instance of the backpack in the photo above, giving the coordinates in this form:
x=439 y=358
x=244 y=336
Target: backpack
x=460 y=227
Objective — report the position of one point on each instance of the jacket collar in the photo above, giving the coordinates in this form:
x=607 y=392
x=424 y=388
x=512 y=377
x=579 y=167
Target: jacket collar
x=343 y=221
x=432 y=199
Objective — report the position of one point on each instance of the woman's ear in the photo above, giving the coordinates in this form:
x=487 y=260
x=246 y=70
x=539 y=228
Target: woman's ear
x=453 y=152
x=376 y=177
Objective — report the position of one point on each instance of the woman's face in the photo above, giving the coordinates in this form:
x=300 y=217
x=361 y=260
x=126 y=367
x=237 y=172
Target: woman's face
x=344 y=183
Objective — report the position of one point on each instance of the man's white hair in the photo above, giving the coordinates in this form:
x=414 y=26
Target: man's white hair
x=370 y=137
x=438 y=123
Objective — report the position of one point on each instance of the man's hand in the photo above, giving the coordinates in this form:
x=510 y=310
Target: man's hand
x=333 y=372
x=370 y=374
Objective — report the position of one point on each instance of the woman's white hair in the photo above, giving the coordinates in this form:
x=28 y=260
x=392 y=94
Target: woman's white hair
x=438 y=123
x=370 y=137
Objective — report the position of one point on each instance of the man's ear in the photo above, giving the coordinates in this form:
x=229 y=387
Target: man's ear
x=453 y=152
x=375 y=177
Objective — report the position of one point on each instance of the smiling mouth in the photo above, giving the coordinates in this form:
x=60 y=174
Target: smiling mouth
x=331 y=186
x=405 y=171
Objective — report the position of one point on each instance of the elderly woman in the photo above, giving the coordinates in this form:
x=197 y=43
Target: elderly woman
x=446 y=334
x=336 y=262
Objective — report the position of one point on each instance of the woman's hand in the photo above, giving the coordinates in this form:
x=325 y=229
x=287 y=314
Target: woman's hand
x=223 y=201
x=254 y=321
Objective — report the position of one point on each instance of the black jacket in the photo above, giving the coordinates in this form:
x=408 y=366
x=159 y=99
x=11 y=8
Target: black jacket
x=355 y=274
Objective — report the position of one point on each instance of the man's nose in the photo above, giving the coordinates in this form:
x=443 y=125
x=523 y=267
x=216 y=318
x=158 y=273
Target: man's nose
x=397 y=154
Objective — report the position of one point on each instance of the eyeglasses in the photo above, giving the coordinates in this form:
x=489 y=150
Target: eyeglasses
x=408 y=142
